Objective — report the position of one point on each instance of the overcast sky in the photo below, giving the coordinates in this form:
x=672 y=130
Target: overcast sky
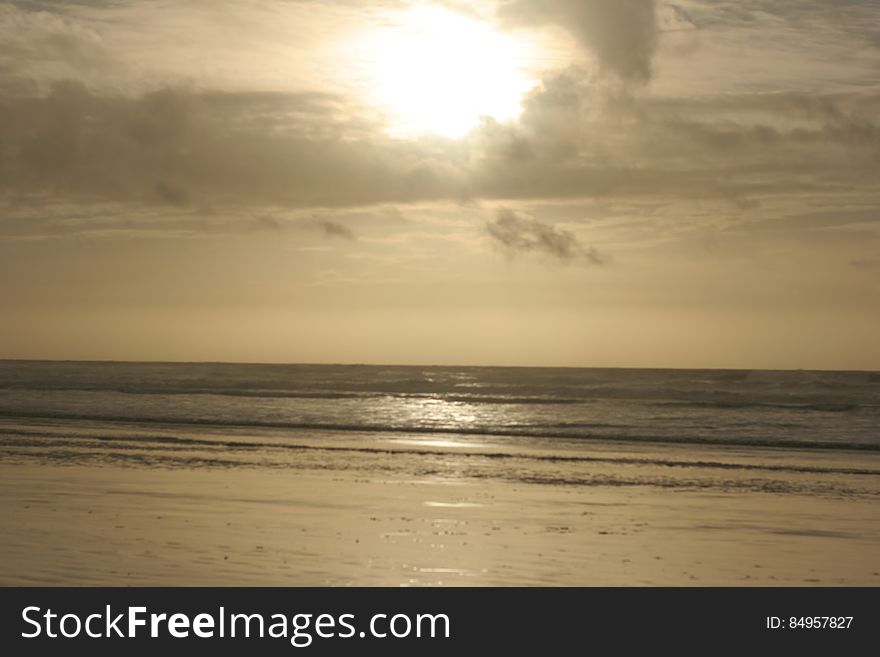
x=511 y=182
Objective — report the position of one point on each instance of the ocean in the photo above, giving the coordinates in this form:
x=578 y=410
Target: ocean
x=757 y=422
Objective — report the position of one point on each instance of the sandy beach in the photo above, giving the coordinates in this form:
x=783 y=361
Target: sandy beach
x=84 y=524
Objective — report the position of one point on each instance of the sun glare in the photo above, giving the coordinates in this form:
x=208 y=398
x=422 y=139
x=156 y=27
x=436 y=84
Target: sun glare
x=435 y=71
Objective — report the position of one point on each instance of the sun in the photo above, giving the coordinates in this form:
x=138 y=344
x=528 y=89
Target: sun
x=434 y=71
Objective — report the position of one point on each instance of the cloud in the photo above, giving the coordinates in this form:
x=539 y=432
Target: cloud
x=37 y=39
x=265 y=222
x=171 y=193
x=180 y=145
x=246 y=150
x=334 y=229
x=621 y=33
x=516 y=234
x=574 y=141
x=250 y=149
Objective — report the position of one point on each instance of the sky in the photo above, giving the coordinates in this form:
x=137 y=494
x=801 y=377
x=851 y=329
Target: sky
x=613 y=183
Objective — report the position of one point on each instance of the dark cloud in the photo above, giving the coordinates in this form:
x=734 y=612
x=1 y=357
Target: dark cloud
x=241 y=151
x=171 y=193
x=678 y=18
x=866 y=263
x=265 y=222
x=621 y=33
x=573 y=140
x=517 y=234
x=281 y=148
x=334 y=229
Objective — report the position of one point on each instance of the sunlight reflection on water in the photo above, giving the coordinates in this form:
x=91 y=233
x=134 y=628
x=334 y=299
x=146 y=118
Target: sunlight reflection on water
x=440 y=443
x=454 y=505
x=430 y=411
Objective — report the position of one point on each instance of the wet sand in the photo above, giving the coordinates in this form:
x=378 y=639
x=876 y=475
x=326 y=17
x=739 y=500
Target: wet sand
x=83 y=524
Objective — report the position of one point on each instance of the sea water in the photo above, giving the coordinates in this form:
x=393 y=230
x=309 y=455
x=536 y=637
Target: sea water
x=218 y=414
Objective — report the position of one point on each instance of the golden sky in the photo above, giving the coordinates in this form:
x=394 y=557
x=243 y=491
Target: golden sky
x=504 y=182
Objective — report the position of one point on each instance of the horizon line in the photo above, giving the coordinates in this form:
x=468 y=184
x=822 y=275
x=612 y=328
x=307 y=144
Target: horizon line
x=432 y=365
